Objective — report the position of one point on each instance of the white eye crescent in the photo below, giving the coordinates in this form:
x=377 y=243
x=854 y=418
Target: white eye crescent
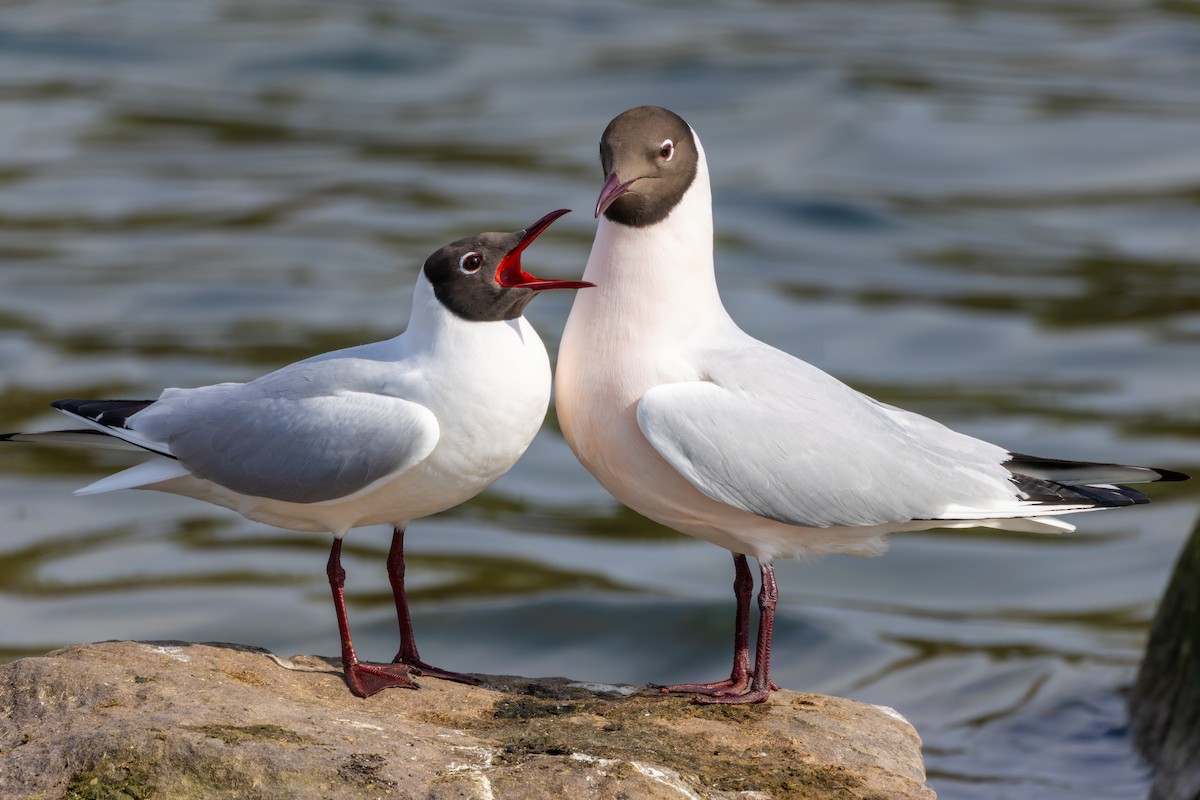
x=470 y=263
x=666 y=150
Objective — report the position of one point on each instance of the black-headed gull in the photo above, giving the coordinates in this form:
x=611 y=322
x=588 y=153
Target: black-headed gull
x=382 y=433
x=690 y=421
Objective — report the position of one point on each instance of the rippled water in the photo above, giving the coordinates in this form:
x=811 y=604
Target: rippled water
x=983 y=211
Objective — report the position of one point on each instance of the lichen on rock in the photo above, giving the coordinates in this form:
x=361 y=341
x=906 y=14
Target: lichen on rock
x=175 y=720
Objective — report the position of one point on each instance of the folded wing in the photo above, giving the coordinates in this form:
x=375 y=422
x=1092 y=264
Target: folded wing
x=785 y=441
x=310 y=433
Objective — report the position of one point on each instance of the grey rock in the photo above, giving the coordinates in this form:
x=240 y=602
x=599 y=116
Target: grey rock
x=179 y=720
x=1164 y=705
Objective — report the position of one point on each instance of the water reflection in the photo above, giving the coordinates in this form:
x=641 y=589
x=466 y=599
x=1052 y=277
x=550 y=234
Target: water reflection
x=459 y=576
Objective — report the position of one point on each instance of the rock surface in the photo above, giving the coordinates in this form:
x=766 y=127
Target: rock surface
x=1164 y=704
x=179 y=720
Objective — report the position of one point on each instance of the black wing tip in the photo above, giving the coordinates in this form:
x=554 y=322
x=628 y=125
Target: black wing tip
x=106 y=412
x=1113 y=496
x=1047 y=492
x=1018 y=460
x=82 y=408
x=1048 y=481
x=4 y=437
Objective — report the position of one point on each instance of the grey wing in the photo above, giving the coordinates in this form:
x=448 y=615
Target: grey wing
x=297 y=436
x=776 y=437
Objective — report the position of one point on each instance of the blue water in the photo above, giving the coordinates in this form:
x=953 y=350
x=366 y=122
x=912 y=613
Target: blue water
x=985 y=211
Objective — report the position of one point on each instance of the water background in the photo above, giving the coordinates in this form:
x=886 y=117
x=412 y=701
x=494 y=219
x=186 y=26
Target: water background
x=988 y=212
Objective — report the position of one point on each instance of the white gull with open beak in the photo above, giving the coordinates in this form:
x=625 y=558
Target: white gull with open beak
x=382 y=433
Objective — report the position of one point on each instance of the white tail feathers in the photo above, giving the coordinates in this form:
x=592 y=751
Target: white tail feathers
x=149 y=472
x=1020 y=524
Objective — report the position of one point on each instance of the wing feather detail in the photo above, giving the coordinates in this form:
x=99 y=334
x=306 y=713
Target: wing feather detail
x=776 y=437
x=310 y=433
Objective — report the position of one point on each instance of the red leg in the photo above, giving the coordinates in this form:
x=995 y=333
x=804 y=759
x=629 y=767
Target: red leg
x=739 y=679
x=408 y=654
x=363 y=679
x=760 y=689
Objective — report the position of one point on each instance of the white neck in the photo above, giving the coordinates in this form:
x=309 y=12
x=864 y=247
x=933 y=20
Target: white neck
x=428 y=315
x=657 y=280
x=432 y=327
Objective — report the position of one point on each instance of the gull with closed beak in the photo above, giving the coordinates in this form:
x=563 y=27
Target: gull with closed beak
x=695 y=424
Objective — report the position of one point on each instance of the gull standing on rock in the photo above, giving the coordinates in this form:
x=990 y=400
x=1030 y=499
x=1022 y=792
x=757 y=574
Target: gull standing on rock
x=382 y=433
x=693 y=423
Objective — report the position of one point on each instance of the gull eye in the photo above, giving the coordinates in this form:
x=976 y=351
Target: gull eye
x=666 y=150
x=470 y=263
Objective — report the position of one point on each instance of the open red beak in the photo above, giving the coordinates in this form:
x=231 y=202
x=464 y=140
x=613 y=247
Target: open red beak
x=613 y=188
x=510 y=275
